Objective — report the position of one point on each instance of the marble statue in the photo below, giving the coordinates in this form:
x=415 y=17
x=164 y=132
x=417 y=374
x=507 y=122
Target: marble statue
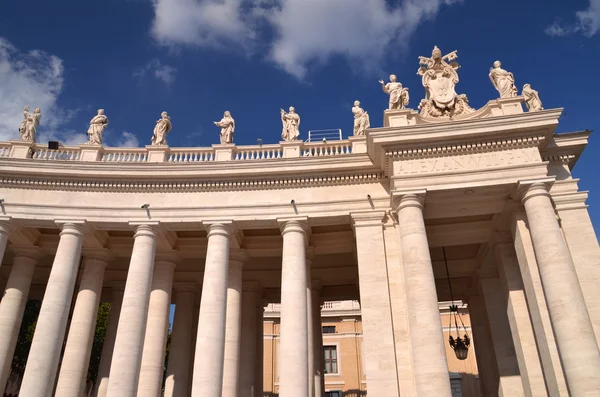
x=291 y=122
x=97 y=125
x=398 y=95
x=361 y=119
x=29 y=125
x=227 y=125
x=439 y=77
x=161 y=130
x=532 y=99
x=503 y=81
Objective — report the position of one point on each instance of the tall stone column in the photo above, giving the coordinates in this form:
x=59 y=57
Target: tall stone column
x=376 y=312
x=575 y=337
x=76 y=357
x=233 y=325
x=428 y=350
x=129 y=342
x=260 y=347
x=4 y=231
x=157 y=326
x=178 y=368
x=310 y=327
x=108 y=346
x=293 y=374
x=210 y=342
x=319 y=362
x=42 y=363
x=249 y=346
x=12 y=305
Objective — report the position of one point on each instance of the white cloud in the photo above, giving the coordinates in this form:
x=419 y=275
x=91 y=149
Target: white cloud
x=305 y=32
x=128 y=139
x=33 y=78
x=588 y=23
x=154 y=67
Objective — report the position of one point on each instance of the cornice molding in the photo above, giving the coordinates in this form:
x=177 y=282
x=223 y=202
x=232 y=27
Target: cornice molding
x=180 y=186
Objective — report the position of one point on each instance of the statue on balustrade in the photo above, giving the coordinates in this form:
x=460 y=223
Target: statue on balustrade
x=162 y=129
x=532 y=99
x=97 y=126
x=291 y=123
x=361 y=119
x=227 y=125
x=439 y=76
x=29 y=125
x=503 y=81
x=398 y=95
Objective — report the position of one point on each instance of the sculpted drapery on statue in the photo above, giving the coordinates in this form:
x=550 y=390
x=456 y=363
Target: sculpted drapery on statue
x=398 y=95
x=227 y=125
x=361 y=119
x=161 y=130
x=532 y=99
x=29 y=125
x=503 y=81
x=97 y=126
x=291 y=123
x=439 y=78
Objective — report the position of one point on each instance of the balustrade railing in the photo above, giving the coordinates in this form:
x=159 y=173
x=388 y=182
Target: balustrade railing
x=318 y=149
x=63 y=153
x=264 y=152
x=4 y=150
x=123 y=155
x=190 y=155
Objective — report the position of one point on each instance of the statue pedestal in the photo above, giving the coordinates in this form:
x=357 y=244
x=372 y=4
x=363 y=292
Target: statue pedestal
x=21 y=149
x=359 y=143
x=157 y=154
x=223 y=151
x=400 y=118
x=91 y=152
x=506 y=106
x=291 y=148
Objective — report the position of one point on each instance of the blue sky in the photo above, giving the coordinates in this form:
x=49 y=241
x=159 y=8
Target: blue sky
x=198 y=58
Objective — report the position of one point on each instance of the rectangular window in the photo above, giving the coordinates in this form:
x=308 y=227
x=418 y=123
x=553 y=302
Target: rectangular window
x=329 y=329
x=331 y=361
x=333 y=393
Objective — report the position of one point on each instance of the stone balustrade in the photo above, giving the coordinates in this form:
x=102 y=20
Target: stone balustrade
x=153 y=154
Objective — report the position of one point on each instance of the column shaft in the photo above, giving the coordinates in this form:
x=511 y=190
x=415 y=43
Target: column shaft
x=260 y=346
x=249 y=346
x=108 y=346
x=311 y=330
x=319 y=362
x=293 y=374
x=210 y=341
x=429 y=353
x=12 y=307
x=484 y=352
x=76 y=357
x=178 y=368
x=42 y=363
x=129 y=342
x=575 y=337
x=157 y=326
x=233 y=326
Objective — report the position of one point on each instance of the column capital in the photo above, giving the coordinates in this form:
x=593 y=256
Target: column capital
x=294 y=224
x=527 y=189
x=146 y=228
x=100 y=254
x=310 y=255
x=408 y=198
x=219 y=227
x=237 y=255
x=167 y=256
x=74 y=227
x=5 y=224
x=27 y=251
x=368 y=218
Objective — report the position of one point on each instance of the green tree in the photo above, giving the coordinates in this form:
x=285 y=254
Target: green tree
x=99 y=334
x=30 y=316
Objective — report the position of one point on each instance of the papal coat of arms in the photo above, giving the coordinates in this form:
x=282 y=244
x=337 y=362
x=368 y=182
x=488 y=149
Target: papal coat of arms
x=439 y=77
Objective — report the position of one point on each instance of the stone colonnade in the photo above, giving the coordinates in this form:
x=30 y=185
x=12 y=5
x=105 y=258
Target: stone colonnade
x=226 y=359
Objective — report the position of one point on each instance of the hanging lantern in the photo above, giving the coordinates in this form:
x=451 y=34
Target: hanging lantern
x=459 y=344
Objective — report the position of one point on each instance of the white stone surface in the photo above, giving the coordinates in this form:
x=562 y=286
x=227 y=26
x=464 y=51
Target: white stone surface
x=178 y=369
x=233 y=325
x=4 y=230
x=398 y=95
x=12 y=305
x=428 y=351
x=76 y=356
x=157 y=325
x=161 y=130
x=293 y=375
x=361 y=119
x=98 y=124
x=207 y=380
x=248 y=344
x=291 y=125
x=42 y=363
x=503 y=81
x=129 y=342
x=532 y=99
x=227 y=125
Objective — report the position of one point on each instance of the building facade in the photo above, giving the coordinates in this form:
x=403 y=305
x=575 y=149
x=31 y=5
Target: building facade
x=448 y=203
